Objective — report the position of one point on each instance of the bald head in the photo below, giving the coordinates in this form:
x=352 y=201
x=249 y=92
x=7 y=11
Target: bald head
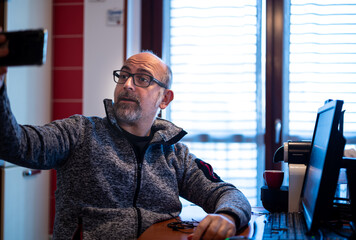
x=151 y=61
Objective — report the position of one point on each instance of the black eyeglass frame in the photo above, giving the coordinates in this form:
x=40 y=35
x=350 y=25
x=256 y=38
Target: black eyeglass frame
x=132 y=75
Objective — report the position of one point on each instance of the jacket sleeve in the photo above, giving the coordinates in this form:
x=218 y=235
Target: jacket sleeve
x=36 y=147
x=200 y=185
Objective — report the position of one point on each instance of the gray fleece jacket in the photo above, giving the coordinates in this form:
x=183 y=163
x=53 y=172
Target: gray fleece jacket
x=101 y=183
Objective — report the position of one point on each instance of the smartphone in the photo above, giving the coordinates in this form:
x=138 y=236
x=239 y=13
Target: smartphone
x=27 y=47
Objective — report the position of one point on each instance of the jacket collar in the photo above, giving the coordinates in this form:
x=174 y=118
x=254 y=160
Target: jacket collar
x=165 y=132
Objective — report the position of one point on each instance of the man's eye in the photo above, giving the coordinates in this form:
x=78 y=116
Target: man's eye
x=124 y=77
x=143 y=78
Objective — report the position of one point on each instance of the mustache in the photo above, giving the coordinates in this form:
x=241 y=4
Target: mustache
x=128 y=96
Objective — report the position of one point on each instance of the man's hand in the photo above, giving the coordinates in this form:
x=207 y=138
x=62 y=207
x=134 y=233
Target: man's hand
x=3 y=52
x=215 y=226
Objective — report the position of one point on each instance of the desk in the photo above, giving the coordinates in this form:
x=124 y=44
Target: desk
x=160 y=231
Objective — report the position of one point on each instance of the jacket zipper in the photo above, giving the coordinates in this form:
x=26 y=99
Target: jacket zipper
x=138 y=186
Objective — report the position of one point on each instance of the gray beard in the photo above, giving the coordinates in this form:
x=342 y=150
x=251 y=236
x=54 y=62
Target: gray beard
x=127 y=113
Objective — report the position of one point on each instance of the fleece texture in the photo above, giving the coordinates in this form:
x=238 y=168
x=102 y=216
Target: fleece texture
x=101 y=183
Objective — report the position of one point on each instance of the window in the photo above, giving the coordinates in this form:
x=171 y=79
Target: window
x=322 y=63
x=215 y=56
x=216 y=51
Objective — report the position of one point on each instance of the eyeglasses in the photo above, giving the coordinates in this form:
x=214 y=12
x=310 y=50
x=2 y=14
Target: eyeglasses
x=139 y=79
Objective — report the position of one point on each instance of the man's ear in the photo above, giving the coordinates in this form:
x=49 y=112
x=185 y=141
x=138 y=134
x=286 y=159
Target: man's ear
x=167 y=98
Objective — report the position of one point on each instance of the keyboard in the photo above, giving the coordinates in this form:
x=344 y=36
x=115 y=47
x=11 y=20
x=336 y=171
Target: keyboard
x=284 y=226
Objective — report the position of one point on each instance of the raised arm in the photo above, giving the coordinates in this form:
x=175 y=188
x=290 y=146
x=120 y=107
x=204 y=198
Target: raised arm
x=41 y=147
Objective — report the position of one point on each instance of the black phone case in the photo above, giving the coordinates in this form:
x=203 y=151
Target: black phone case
x=25 y=48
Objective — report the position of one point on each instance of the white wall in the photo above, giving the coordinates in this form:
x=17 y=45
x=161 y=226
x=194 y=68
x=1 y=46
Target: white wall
x=103 y=53
x=29 y=88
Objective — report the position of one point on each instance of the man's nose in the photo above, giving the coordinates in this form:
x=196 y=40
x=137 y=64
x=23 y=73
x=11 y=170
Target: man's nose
x=129 y=84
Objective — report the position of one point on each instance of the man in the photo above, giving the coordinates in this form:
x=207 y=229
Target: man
x=120 y=174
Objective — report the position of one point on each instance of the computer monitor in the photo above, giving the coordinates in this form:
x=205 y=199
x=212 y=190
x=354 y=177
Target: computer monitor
x=323 y=169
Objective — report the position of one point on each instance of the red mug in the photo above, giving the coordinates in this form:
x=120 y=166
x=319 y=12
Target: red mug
x=273 y=178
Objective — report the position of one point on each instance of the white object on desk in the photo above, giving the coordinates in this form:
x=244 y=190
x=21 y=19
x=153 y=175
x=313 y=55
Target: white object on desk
x=296 y=179
x=192 y=212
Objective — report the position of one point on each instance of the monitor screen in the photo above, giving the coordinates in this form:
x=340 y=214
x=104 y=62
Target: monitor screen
x=325 y=161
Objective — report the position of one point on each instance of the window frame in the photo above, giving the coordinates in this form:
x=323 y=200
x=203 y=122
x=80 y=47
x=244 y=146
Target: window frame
x=275 y=100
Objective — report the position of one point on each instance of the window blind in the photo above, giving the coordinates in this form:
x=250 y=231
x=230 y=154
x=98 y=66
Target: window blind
x=322 y=62
x=215 y=59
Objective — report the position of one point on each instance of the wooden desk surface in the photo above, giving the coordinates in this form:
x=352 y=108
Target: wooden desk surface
x=160 y=231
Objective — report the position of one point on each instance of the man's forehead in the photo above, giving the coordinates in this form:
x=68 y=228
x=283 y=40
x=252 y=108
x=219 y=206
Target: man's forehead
x=139 y=69
x=144 y=62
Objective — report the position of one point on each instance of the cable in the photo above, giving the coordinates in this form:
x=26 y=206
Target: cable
x=182 y=226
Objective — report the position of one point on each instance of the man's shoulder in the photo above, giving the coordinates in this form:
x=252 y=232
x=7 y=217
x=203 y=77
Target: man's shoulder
x=161 y=123
x=167 y=131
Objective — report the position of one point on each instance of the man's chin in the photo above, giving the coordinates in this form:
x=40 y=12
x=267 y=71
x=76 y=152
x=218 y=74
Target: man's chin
x=127 y=116
x=128 y=113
